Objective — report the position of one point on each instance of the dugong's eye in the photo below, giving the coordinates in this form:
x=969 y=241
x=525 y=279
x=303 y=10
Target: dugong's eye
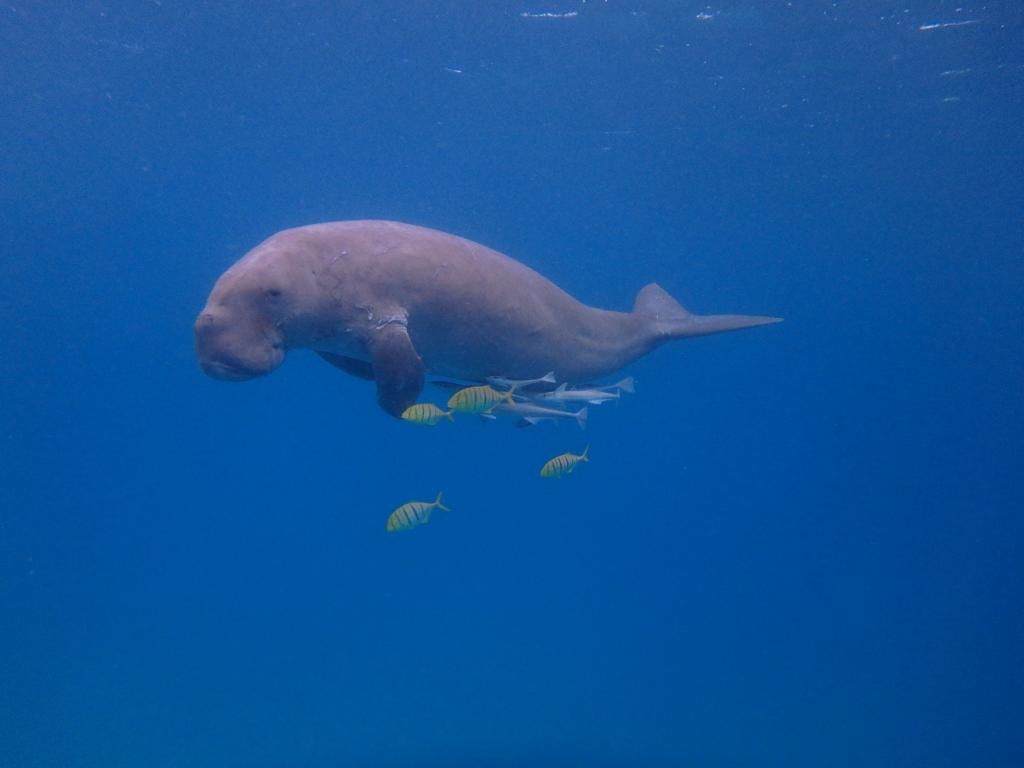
x=272 y=293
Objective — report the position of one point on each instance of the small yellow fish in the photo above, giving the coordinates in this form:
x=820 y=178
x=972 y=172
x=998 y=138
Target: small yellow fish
x=479 y=399
x=426 y=413
x=413 y=513
x=564 y=464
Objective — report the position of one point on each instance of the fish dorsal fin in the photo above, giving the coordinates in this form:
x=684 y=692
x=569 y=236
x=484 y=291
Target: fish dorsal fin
x=562 y=387
x=655 y=301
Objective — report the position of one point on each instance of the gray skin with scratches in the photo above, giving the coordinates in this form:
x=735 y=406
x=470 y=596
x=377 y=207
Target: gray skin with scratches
x=390 y=301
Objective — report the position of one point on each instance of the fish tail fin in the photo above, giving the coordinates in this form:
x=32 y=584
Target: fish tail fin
x=585 y=456
x=450 y=415
x=438 y=504
x=548 y=378
x=626 y=385
x=671 y=320
x=508 y=395
x=581 y=418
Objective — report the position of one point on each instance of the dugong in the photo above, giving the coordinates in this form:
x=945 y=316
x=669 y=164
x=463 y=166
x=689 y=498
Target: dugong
x=389 y=302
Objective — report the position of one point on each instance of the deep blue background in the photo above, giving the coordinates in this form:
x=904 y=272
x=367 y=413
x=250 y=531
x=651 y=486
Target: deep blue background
x=796 y=546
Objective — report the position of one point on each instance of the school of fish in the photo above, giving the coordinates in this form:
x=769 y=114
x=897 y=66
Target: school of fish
x=528 y=399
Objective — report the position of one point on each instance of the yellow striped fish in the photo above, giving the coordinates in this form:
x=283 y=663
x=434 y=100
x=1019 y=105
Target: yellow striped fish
x=479 y=399
x=426 y=413
x=564 y=464
x=413 y=513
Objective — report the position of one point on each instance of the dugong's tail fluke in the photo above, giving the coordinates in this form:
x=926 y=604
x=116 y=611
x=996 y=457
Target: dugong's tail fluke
x=673 y=321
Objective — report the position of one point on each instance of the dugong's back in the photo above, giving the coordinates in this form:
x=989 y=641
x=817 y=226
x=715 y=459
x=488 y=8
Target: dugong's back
x=430 y=267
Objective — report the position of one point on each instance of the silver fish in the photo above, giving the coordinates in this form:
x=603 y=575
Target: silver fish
x=592 y=395
x=547 y=378
x=532 y=413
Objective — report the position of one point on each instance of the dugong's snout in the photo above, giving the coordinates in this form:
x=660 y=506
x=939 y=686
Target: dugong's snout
x=234 y=351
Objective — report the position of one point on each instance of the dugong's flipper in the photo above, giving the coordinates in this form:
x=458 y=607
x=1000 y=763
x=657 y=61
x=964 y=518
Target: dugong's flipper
x=396 y=367
x=349 y=365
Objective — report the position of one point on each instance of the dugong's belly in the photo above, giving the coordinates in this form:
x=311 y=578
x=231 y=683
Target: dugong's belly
x=472 y=340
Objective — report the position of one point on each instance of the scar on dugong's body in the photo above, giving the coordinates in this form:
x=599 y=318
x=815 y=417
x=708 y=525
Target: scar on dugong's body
x=389 y=301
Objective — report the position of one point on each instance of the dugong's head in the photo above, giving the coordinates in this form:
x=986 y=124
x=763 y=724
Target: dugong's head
x=248 y=321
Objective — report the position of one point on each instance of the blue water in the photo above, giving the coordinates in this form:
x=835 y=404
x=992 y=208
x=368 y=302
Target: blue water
x=798 y=545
